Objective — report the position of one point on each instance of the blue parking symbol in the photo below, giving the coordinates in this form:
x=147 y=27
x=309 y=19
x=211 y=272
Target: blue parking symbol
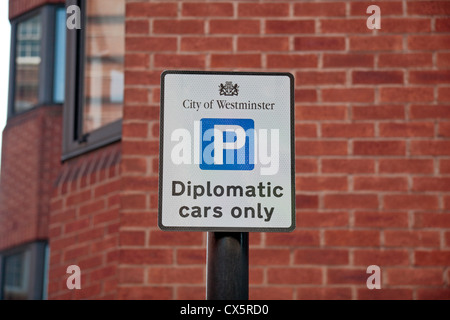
x=227 y=144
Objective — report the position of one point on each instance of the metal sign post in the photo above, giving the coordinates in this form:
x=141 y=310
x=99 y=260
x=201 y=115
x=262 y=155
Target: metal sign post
x=227 y=266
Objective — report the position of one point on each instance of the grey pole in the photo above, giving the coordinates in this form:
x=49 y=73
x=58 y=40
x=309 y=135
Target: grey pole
x=227 y=266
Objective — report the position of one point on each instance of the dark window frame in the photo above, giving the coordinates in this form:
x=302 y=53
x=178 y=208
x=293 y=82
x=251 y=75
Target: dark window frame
x=38 y=259
x=47 y=54
x=75 y=142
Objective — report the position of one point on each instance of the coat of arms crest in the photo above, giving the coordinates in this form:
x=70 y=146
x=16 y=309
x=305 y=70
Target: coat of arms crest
x=228 y=89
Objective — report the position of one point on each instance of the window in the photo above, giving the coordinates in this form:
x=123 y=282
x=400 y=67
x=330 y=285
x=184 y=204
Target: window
x=23 y=271
x=37 y=59
x=95 y=82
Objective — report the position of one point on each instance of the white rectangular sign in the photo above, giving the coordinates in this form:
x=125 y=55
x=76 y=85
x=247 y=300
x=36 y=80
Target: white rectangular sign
x=227 y=151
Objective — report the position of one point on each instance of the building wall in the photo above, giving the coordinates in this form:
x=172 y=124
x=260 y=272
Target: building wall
x=372 y=145
x=84 y=224
x=31 y=152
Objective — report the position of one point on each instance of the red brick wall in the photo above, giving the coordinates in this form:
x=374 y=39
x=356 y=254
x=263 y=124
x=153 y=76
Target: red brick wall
x=84 y=224
x=372 y=145
x=31 y=152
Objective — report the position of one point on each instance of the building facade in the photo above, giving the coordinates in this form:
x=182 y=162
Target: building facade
x=79 y=176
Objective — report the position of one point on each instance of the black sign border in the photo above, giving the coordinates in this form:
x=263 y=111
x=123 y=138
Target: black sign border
x=161 y=152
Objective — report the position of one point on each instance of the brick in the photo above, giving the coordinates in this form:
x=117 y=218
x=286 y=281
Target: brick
x=414 y=239
x=294 y=276
x=432 y=258
x=209 y=44
x=345 y=26
x=133 y=201
x=136 y=95
x=430 y=147
x=380 y=183
x=444 y=129
x=378 y=112
x=431 y=184
x=443 y=59
x=401 y=94
x=444 y=166
x=405 y=25
x=271 y=293
x=411 y=129
x=377 y=77
x=233 y=27
x=351 y=201
x=306 y=165
x=296 y=238
x=433 y=294
x=263 y=9
x=347 y=276
x=320 y=77
x=169 y=26
x=185 y=275
x=336 y=60
x=267 y=257
x=321 y=257
x=320 y=147
x=324 y=9
x=151 y=9
x=347 y=130
x=191 y=256
x=430 y=112
x=389 y=8
x=444 y=94
x=304 y=201
x=442 y=25
x=379 y=147
x=137 y=27
x=236 y=60
x=160 y=238
x=385 y=294
x=428 y=42
x=321 y=113
x=135 y=130
x=150 y=44
x=180 y=60
x=145 y=293
x=290 y=27
x=380 y=219
x=146 y=256
x=198 y=9
x=311 y=219
x=348 y=166
x=318 y=183
x=431 y=220
x=263 y=44
x=319 y=43
x=324 y=293
x=293 y=61
x=403 y=276
x=306 y=130
x=410 y=166
x=140 y=147
x=142 y=78
x=376 y=43
x=405 y=60
x=348 y=95
x=429 y=8
x=305 y=95
x=429 y=77
x=411 y=202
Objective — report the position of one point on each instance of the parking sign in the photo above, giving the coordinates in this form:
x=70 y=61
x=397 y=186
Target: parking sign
x=227 y=151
